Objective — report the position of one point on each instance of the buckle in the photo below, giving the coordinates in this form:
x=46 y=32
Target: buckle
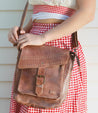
x=40 y=80
x=38 y=77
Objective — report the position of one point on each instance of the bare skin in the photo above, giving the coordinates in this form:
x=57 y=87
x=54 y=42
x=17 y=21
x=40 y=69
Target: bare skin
x=84 y=14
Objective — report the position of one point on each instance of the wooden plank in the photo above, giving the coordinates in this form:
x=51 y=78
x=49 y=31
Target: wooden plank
x=92 y=89
x=92 y=80
x=91 y=54
x=93 y=106
x=87 y=37
x=4 y=105
x=8 y=55
x=13 y=5
x=97 y=4
x=92 y=72
x=94 y=22
x=10 y=19
x=4 y=42
x=5 y=89
x=7 y=72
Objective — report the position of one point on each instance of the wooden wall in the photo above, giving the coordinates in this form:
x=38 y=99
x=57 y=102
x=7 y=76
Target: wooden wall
x=10 y=14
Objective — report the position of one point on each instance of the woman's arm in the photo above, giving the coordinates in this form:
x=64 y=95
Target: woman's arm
x=84 y=14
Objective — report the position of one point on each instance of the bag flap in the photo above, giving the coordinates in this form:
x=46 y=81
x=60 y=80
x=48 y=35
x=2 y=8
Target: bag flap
x=42 y=56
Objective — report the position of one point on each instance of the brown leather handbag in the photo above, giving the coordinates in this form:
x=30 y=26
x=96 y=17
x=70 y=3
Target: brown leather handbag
x=42 y=74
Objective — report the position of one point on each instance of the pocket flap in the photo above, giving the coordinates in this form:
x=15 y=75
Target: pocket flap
x=42 y=56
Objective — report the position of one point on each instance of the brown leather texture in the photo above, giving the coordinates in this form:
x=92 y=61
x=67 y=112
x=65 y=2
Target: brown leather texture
x=39 y=56
x=44 y=76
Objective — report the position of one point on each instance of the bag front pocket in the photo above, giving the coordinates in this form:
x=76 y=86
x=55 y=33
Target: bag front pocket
x=41 y=82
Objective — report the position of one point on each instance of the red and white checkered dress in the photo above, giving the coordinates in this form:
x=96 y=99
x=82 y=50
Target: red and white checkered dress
x=76 y=101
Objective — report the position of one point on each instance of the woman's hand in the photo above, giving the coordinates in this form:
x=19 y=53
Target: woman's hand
x=30 y=39
x=13 y=36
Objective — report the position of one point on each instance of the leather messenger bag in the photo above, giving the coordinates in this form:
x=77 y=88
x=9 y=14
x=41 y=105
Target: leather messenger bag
x=42 y=74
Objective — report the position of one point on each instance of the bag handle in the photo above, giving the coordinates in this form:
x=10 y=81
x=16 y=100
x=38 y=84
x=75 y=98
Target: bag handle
x=74 y=35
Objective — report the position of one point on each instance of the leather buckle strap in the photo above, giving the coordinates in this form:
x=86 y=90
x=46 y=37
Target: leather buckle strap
x=74 y=40
x=40 y=80
x=77 y=58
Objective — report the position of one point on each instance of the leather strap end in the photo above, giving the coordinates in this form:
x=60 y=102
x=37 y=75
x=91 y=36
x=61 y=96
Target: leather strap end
x=40 y=79
x=74 y=40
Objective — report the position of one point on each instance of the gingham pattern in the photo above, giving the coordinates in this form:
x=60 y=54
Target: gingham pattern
x=53 y=9
x=76 y=101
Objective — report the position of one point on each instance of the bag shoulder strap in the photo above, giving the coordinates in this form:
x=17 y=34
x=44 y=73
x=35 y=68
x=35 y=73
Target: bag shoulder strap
x=23 y=17
x=74 y=42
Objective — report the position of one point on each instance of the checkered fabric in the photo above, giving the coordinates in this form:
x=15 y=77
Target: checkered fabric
x=76 y=101
x=53 y=9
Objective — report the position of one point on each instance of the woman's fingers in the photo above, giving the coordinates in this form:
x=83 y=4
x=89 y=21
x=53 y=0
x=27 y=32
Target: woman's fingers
x=21 y=42
x=11 y=38
x=24 y=44
x=22 y=31
x=24 y=40
x=12 y=35
x=21 y=37
x=14 y=31
x=29 y=39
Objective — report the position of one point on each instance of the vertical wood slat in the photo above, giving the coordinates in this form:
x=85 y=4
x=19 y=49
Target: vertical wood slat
x=4 y=105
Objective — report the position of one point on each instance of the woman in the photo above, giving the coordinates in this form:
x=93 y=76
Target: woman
x=51 y=25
